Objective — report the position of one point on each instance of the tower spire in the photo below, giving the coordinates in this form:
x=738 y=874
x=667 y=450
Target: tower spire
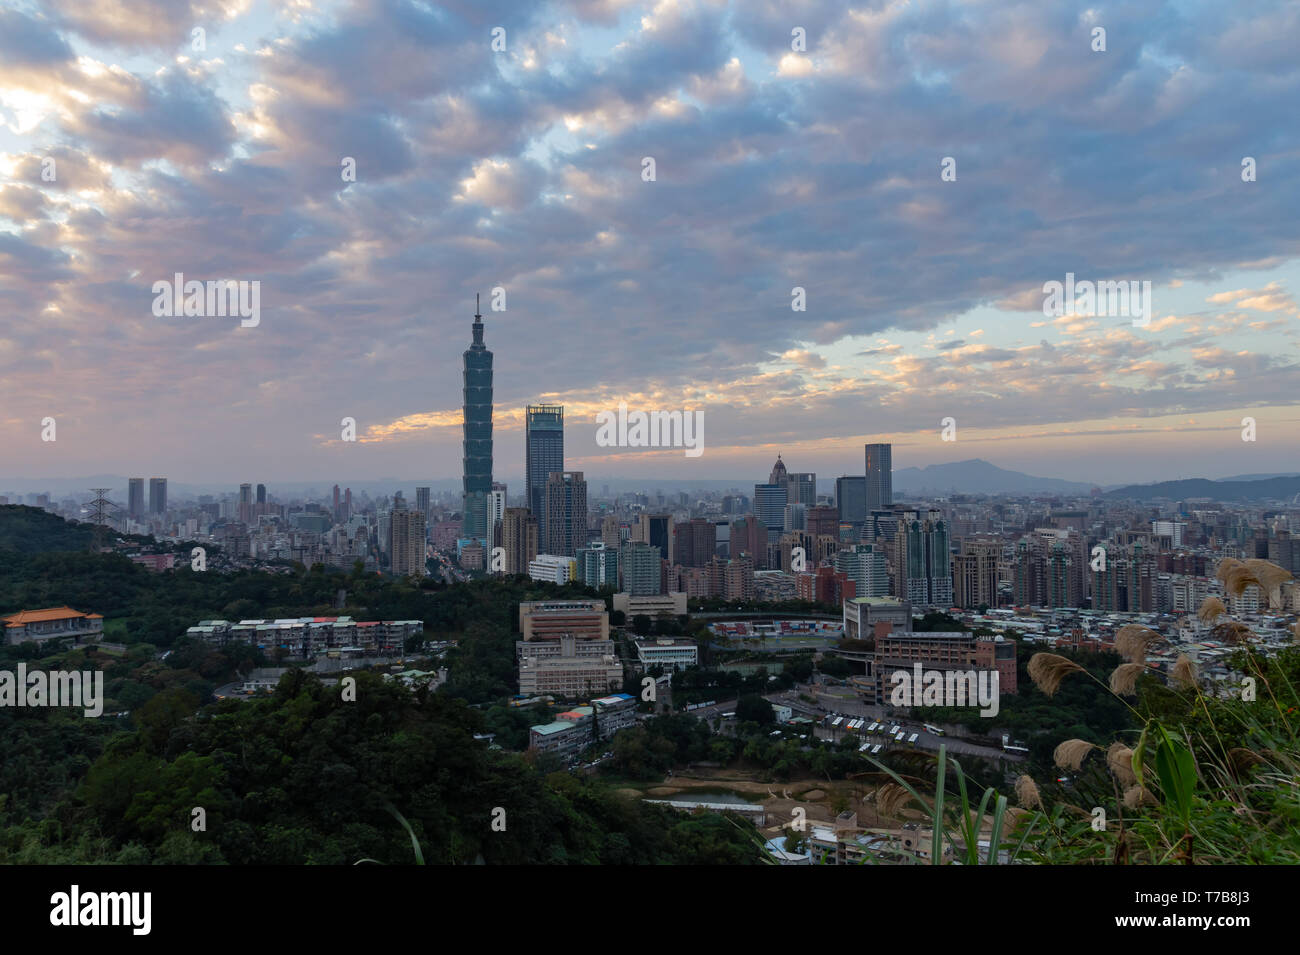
x=477 y=316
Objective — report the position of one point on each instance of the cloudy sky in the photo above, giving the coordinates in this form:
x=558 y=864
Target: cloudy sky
x=522 y=168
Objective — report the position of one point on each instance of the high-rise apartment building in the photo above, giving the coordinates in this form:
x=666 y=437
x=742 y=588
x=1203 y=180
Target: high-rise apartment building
x=477 y=466
x=245 y=503
x=923 y=561
x=696 y=541
x=880 y=476
x=642 y=568
x=598 y=565
x=406 y=530
x=749 y=536
x=565 y=527
x=422 y=497
x=612 y=534
x=975 y=573
x=157 y=495
x=496 y=504
x=135 y=497
x=518 y=539
x=866 y=567
x=543 y=455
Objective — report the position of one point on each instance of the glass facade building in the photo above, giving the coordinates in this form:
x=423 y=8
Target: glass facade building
x=478 y=435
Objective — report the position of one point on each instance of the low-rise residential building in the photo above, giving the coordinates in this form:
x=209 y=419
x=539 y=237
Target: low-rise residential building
x=614 y=712
x=572 y=731
x=562 y=737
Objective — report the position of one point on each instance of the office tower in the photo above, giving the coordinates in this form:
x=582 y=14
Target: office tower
x=543 y=456
x=335 y=512
x=245 y=503
x=598 y=565
x=801 y=489
x=157 y=495
x=657 y=529
x=518 y=539
x=406 y=540
x=347 y=503
x=866 y=567
x=261 y=495
x=642 y=568
x=795 y=518
x=135 y=497
x=779 y=474
x=880 y=476
x=566 y=513
x=769 y=505
x=421 y=500
x=923 y=562
x=696 y=542
x=851 y=499
x=496 y=504
x=478 y=434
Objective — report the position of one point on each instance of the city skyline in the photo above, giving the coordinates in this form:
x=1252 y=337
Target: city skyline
x=520 y=173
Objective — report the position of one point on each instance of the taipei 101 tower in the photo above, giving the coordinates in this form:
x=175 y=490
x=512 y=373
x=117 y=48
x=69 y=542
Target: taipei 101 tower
x=478 y=435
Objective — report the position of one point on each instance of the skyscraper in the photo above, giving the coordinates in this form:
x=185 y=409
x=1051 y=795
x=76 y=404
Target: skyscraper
x=421 y=500
x=157 y=495
x=779 y=474
x=566 y=513
x=245 y=503
x=543 y=456
x=801 y=488
x=135 y=497
x=261 y=494
x=880 y=476
x=769 y=505
x=851 y=499
x=478 y=434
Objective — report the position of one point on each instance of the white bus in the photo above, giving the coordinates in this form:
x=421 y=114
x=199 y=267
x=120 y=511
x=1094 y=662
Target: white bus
x=932 y=729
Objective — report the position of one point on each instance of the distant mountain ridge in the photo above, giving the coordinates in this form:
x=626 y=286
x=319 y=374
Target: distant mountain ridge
x=1232 y=490
x=978 y=476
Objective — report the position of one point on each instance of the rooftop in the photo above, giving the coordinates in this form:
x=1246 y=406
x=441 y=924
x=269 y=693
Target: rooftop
x=24 y=617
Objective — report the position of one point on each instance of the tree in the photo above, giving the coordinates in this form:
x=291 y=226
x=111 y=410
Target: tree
x=752 y=708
